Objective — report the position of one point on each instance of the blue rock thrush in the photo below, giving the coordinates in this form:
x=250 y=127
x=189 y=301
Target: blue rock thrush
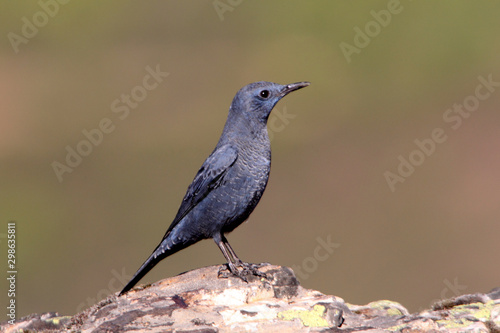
x=229 y=184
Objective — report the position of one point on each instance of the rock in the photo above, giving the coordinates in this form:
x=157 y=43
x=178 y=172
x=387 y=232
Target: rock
x=198 y=301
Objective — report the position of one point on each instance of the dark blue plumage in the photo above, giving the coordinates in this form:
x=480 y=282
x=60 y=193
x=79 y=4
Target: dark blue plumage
x=230 y=182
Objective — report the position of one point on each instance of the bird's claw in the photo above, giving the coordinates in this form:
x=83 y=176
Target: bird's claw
x=253 y=269
x=246 y=270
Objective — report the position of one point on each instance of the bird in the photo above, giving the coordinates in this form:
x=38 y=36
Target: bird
x=229 y=184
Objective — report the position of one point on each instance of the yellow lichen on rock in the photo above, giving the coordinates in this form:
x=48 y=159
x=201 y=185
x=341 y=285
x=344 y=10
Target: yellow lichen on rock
x=309 y=318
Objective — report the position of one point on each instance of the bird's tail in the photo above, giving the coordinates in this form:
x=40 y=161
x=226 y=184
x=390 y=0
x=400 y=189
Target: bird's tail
x=158 y=254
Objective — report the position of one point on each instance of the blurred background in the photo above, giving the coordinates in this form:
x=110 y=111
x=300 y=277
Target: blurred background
x=96 y=152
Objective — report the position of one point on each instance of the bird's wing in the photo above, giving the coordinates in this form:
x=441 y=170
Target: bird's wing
x=208 y=178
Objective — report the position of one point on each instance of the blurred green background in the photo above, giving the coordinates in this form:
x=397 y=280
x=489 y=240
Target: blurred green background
x=79 y=239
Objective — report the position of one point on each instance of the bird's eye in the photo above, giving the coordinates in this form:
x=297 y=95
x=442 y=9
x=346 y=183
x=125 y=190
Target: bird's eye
x=264 y=93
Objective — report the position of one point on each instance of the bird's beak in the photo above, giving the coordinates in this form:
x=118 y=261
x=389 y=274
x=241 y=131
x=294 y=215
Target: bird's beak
x=294 y=86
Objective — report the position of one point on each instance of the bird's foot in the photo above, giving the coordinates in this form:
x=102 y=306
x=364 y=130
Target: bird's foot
x=252 y=269
x=245 y=270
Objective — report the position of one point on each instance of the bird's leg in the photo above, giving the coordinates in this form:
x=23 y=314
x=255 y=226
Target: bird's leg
x=229 y=258
x=233 y=262
x=236 y=260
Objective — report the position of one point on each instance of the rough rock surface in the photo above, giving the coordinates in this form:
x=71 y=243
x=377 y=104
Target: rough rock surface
x=198 y=301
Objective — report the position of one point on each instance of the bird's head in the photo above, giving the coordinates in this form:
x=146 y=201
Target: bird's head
x=256 y=100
